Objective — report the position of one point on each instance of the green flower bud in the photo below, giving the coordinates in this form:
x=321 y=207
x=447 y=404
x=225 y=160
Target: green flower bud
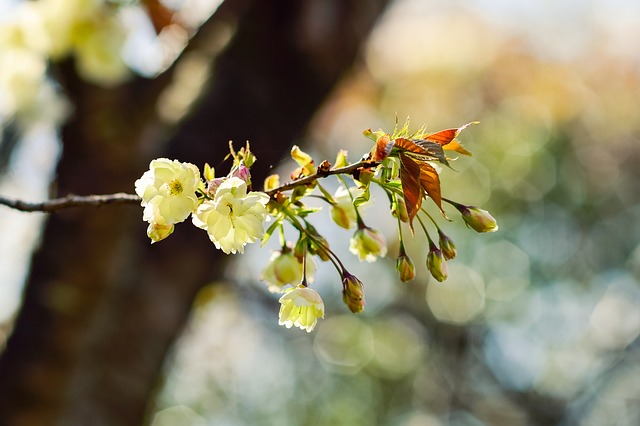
x=352 y=292
x=399 y=210
x=436 y=264
x=404 y=267
x=447 y=246
x=158 y=232
x=478 y=219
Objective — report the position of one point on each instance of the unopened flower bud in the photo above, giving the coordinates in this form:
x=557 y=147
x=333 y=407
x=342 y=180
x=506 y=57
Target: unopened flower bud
x=271 y=182
x=343 y=212
x=158 y=232
x=436 y=264
x=213 y=184
x=399 y=210
x=447 y=246
x=368 y=244
x=242 y=172
x=478 y=219
x=404 y=267
x=352 y=292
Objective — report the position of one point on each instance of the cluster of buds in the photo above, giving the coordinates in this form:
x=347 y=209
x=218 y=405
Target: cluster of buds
x=233 y=215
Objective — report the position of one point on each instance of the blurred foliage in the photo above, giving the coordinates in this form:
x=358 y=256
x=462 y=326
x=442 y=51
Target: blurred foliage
x=537 y=324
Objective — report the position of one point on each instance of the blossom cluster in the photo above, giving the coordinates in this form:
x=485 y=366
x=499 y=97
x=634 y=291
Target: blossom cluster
x=234 y=215
x=172 y=191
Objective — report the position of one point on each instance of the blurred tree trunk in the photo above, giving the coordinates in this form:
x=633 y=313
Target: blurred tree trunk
x=102 y=306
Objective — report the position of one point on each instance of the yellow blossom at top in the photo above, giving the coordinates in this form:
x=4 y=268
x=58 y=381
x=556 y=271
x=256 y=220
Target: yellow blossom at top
x=168 y=191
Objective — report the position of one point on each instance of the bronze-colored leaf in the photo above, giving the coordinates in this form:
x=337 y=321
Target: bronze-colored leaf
x=411 y=186
x=434 y=150
x=410 y=146
x=430 y=183
x=454 y=145
x=383 y=148
x=443 y=137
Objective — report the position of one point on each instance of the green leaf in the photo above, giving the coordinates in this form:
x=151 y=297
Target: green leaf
x=270 y=231
x=362 y=198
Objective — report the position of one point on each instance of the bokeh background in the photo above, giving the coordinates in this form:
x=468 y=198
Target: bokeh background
x=537 y=323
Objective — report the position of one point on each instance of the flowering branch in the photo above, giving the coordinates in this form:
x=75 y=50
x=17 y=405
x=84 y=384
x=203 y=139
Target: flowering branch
x=401 y=164
x=70 y=201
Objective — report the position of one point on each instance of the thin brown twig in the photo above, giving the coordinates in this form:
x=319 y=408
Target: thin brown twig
x=71 y=200
x=346 y=170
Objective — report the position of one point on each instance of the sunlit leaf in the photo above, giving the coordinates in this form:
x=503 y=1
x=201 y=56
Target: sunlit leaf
x=454 y=145
x=383 y=148
x=267 y=234
x=362 y=198
x=430 y=182
x=411 y=188
x=421 y=149
x=443 y=137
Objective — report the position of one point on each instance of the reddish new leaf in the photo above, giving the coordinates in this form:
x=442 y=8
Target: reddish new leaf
x=410 y=146
x=454 y=145
x=430 y=182
x=420 y=149
x=443 y=137
x=383 y=148
x=411 y=186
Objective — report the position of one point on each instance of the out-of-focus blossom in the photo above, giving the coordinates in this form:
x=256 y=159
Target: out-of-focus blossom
x=234 y=217
x=22 y=77
x=285 y=268
x=97 y=45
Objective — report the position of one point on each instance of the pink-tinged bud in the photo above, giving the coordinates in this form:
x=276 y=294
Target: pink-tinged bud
x=158 y=232
x=436 y=264
x=447 y=246
x=352 y=292
x=404 y=267
x=212 y=185
x=242 y=172
x=478 y=219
